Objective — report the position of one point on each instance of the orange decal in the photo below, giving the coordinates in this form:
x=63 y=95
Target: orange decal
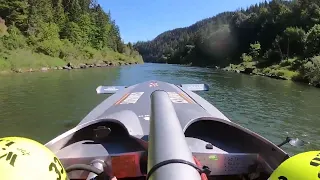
x=123 y=98
x=125 y=166
x=186 y=98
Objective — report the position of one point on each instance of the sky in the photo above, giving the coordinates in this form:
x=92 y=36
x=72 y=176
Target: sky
x=142 y=20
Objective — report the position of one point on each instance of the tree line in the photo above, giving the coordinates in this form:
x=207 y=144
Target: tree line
x=283 y=35
x=71 y=30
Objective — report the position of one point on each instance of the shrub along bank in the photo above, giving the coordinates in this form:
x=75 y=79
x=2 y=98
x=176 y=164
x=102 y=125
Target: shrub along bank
x=47 y=34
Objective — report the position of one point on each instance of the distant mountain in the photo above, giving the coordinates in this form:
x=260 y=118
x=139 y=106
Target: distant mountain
x=276 y=38
x=169 y=41
x=222 y=39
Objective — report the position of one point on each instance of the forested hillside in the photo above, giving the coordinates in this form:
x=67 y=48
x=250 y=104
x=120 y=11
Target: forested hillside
x=49 y=33
x=279 y=38
x=168 y=43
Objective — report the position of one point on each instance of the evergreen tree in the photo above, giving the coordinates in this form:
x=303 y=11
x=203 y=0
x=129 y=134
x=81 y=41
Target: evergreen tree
x=59 y=14
x=60 y=28
x=15 y=12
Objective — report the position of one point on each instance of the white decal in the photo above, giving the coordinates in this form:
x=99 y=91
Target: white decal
x=111 y=89
x=153 y=84
x=145 y=117
x=176 y=98
x=132 y=98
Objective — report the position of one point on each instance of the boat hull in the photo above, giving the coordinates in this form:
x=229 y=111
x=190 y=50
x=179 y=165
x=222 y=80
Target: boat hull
x=117 y=132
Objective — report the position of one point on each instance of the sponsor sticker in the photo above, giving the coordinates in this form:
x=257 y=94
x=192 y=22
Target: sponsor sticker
x=145 y=117
x=176 y=98
x=213 y=157
x=132 y=98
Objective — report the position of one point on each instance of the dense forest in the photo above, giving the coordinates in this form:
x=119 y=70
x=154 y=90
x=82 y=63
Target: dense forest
x=52 y=33
x=280 y=38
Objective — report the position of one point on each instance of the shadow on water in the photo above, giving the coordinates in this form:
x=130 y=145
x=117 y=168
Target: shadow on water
x=43 y=105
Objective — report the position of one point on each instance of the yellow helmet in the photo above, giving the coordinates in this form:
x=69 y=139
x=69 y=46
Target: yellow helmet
x=304 y=166
x=22 y=158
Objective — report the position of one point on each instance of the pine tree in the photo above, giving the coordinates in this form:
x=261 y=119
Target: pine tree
x=59 y=14
x=75 y=11
x=15 y=12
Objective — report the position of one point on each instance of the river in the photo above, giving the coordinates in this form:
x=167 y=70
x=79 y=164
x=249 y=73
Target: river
x=44 y=104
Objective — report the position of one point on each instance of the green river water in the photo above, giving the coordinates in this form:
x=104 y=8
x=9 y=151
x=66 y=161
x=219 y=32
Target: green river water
x=42 y=105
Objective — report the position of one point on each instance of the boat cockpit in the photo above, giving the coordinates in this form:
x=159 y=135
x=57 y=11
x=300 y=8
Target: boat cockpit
x=227 y=149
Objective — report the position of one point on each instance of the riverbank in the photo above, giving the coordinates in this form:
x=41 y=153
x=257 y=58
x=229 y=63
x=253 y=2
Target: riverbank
x=26 y=60
x=47 y=44
x=70 y=66
x=271 y=71
x=282 y=71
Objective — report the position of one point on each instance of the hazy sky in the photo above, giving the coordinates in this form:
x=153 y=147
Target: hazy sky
x=145 y=19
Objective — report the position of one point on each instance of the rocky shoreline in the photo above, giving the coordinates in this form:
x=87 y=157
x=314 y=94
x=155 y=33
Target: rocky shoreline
x=251 y=71
x=70 y=66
